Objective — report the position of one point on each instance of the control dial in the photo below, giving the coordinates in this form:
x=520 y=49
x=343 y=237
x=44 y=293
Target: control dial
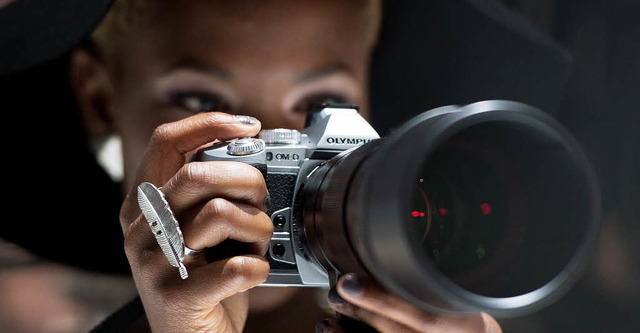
x=245 y=146
x=280 y=136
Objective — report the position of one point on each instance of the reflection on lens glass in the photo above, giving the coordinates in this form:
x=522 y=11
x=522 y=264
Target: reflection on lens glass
x=460 y=214
x=497 y=209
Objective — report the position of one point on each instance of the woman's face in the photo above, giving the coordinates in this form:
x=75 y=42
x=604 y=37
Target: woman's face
x=272 y=60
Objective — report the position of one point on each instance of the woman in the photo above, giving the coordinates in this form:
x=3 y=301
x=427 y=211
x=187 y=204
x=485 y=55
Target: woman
x=173 y=76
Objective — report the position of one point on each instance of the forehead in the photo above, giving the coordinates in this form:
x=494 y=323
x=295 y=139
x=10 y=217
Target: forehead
x=261 y=30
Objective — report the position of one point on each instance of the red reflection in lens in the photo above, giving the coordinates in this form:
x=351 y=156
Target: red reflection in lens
x=485 y=207
x=428 y=204
x=443 y=211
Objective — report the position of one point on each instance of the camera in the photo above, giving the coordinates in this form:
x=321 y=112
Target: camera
x=490 y=206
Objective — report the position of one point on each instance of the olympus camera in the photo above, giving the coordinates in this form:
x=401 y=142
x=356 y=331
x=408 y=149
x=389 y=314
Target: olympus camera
x=490 y=206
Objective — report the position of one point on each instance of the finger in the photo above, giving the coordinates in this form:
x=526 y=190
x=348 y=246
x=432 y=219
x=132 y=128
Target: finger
x=387 y=312
x=141 y=246
x=149 y=262
x=221 y=219
x=358 y=314
x=171 y=143
x=216 y=281
x=200 y=181
x=207 y=286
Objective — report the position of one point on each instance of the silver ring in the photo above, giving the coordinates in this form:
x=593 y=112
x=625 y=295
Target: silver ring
x=164 y=226
x=191 y=252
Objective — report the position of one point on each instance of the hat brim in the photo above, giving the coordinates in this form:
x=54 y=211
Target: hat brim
x=34 y=31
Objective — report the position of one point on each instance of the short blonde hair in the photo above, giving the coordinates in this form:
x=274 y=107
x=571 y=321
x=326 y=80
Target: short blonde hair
x=122 y=16
x=127 y=14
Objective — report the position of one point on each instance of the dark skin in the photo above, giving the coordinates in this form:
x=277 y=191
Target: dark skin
x=206 y=71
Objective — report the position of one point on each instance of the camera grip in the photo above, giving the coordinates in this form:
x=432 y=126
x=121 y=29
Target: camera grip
x=281 y=188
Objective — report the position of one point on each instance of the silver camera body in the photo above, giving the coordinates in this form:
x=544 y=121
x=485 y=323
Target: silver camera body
x=287 y=158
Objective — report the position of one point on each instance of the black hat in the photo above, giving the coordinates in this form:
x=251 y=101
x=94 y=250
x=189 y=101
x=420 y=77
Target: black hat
x=34 y=31
x=36 y=37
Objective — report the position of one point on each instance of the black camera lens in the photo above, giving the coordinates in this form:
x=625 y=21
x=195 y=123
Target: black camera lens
x=491 y=206
x=500 y=208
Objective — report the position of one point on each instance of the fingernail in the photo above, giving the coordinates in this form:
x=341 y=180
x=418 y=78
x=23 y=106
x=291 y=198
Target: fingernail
x=351 y=285
x=334 y=297
x=246 y=120
x=322 y=325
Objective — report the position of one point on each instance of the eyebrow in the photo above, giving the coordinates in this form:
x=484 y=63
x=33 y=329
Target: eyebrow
x=306 y=76
x=208 y=69
x=322 y=71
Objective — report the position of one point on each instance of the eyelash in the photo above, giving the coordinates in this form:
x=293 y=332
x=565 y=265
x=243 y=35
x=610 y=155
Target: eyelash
x=205 y=102
x=200 y=101
x=315 y=101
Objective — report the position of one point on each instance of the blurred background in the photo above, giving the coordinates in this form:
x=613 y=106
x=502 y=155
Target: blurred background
x=576 y=59
x=601 y=105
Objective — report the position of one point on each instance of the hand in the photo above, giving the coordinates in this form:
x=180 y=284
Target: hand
x=214 y=202
x=362 y=299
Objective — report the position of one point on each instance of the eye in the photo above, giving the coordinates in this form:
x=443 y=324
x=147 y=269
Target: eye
x=316 y=101
x=199 y=101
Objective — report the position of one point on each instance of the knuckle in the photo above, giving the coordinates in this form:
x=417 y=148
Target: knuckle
x=490 y=324
x=257 y=175
x=237 y=268
x=161 y=134
x=246 y=268
x=267 y=230
x=193 y=174
x=218 y=209
x=258 y=178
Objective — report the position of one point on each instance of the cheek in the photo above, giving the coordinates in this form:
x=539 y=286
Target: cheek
x=134 y=124
x=133 y=121
x=135 y=136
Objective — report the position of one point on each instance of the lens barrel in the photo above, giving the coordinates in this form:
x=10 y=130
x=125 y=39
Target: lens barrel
x=491 y=206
